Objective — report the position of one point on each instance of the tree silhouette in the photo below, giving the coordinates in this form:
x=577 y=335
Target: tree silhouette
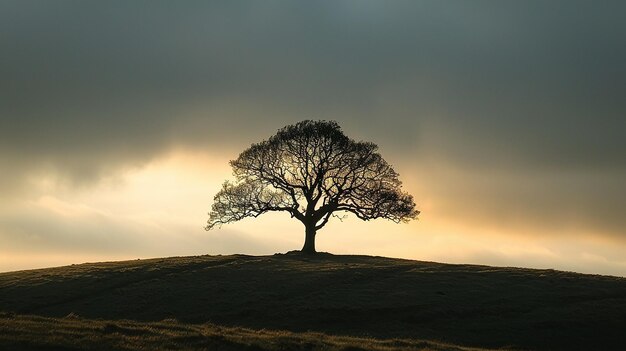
x=311 y=170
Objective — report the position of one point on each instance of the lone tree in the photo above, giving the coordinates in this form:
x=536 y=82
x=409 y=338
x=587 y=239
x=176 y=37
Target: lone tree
x=311 y=170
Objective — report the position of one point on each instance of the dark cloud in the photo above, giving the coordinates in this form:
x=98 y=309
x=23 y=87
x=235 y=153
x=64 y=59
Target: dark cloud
x=89 y=88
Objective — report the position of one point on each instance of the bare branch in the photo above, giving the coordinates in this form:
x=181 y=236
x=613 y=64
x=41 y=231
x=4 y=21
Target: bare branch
x=312 y=170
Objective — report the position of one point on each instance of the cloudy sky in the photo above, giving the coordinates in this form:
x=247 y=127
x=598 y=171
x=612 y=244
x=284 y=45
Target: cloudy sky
x=505 y=119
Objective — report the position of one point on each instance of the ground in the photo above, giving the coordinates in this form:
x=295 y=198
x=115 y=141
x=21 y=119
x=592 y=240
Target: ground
x=357 y=296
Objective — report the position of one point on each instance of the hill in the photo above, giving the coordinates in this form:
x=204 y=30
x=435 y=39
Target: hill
x=359 y=296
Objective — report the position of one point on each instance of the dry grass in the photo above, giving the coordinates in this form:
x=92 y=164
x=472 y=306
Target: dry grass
x=359 y=296
x=22 y=332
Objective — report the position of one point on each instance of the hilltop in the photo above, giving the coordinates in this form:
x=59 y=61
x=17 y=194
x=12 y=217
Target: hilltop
x=357 y=296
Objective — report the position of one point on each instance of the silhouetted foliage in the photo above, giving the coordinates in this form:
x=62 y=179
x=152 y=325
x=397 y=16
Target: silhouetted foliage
x=312 y=170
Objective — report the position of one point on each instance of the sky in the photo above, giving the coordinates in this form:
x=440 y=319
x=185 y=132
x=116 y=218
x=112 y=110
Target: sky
x=506 y=121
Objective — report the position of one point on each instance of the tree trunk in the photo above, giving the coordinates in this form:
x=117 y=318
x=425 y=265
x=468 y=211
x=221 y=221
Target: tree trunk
x=309 y=240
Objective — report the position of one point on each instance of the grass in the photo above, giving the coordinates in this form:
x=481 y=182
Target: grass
x=20 y=332
x=367 y=297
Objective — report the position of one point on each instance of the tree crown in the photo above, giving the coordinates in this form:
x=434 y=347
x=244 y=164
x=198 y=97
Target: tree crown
x=312 y=170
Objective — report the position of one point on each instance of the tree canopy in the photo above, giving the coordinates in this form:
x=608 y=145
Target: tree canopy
x=311 y=170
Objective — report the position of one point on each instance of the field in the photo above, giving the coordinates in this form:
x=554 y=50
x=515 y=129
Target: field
x=294 y=302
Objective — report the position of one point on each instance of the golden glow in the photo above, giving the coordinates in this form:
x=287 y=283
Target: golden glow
x=160 y=210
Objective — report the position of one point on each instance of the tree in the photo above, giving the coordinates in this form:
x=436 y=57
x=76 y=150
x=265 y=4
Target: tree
x=311 y=170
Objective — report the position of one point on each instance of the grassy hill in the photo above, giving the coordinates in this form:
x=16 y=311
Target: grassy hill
x=357 y=296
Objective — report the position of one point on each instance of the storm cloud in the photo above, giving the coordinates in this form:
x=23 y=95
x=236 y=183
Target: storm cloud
x=494 y=110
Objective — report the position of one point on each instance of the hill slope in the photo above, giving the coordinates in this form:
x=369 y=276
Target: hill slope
x=349 y=295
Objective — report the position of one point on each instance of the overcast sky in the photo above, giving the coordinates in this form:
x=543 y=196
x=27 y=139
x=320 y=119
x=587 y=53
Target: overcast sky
x=505 y=119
